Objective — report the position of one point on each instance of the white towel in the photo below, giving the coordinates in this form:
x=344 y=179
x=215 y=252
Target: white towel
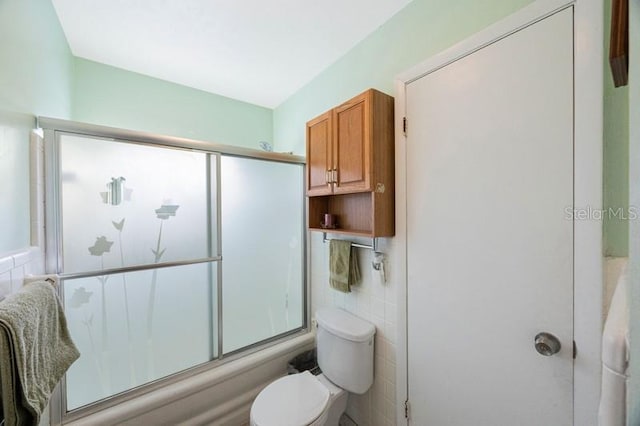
x=615 y=359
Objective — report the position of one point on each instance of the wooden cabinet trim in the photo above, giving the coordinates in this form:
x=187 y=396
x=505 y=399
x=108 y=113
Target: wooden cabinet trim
x=358 y=168
x=317 y=183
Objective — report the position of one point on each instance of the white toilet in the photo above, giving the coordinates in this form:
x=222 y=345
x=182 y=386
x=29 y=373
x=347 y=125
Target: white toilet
x=345 y=355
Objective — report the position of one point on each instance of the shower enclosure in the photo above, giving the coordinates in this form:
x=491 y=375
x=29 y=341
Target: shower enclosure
x=173 y=254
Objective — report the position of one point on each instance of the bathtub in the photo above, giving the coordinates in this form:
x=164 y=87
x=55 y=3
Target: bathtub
x=221 y=395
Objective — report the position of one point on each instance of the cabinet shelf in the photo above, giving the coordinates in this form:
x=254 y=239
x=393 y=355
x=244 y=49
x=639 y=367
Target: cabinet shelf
x=367 y=214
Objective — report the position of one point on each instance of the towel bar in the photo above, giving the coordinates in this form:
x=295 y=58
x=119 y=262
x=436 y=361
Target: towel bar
x=373 y=246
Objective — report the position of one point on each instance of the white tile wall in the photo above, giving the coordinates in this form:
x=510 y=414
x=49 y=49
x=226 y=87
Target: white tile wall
x=5 y=283
x=15 y=266
x=375 y=301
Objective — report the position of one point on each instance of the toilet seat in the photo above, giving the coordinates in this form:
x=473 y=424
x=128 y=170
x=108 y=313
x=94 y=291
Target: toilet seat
x=295 y=400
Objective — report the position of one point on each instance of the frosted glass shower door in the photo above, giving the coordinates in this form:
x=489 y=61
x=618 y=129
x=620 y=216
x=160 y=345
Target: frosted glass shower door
x=138 y=256
x=125 y=345
x=172 y=254
x=125 y=204
x=263 y=248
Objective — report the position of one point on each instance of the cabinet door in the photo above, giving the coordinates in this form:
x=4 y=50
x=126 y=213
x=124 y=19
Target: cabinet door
x=352 y=145
x=319 y=153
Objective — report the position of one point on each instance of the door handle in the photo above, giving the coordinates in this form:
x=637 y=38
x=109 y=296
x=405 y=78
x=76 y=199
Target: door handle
x=547 y=344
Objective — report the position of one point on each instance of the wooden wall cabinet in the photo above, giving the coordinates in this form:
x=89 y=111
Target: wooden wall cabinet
x=350 y=166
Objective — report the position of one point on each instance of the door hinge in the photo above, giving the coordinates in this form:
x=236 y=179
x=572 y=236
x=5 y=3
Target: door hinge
x=404 y=125
x=406 y=409
x=575 y=350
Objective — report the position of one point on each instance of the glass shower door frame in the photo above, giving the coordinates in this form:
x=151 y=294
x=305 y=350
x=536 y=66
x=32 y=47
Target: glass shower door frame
x=53 y=130
x=55 y=250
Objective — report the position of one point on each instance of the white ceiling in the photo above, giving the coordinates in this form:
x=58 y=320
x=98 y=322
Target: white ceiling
x=257 y=51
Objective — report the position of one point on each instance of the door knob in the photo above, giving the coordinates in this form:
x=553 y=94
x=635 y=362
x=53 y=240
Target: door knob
x=547 y=344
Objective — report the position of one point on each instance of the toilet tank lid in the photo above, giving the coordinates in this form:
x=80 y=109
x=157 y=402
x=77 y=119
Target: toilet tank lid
x=345 y=325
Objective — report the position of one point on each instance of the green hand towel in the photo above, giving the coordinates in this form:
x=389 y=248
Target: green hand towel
x=35 y=351
x=343 y=266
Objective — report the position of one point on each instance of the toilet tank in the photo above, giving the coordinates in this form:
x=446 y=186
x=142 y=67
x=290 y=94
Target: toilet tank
x=345 y=349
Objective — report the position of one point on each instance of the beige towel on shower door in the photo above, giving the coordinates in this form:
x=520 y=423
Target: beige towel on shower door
x=35 y=351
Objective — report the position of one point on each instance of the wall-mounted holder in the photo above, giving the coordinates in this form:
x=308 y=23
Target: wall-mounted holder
x=378 y=261
x=378 y=265
x=373 y=246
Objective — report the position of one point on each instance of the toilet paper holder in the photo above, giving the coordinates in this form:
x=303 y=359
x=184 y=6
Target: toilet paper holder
x=378 y=264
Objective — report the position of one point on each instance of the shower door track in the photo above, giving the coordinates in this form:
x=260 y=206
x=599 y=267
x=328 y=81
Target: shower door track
x=113 y=133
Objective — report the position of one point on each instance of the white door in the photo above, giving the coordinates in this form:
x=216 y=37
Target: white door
x=490 y=233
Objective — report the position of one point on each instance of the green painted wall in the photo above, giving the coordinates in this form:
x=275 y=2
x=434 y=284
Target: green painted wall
x=39 y=76
x=35 y=60
x=420 y=30
x=36 y=71
x=616 y=156
x=115 y=97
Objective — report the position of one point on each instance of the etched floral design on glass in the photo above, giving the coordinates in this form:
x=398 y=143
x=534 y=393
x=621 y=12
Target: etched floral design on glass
x=99 y=248
x=163 y=213
x=133 y=379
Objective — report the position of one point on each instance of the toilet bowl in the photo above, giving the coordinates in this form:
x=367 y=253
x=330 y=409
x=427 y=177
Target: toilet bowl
x=299 y=399
x=345 y=355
